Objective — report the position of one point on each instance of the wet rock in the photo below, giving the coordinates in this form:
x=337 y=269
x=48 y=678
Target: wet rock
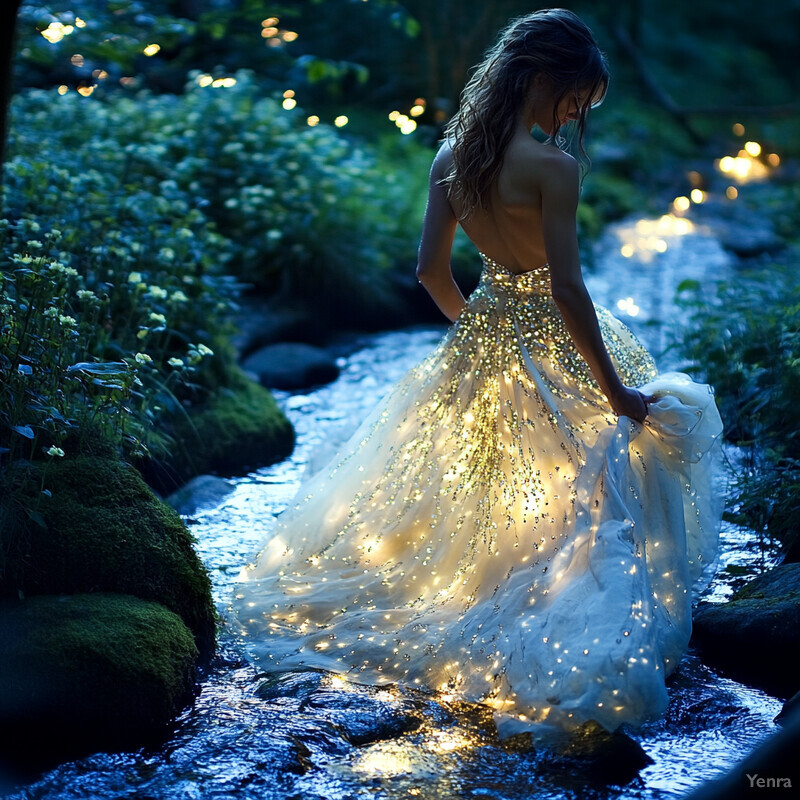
x=291 y=365
x=603 y=757
x=202 y=492
x=359 y=713
x=737 y=229
x=298 y=685
x=754 y=635
x=89 y=672
x=363 y=716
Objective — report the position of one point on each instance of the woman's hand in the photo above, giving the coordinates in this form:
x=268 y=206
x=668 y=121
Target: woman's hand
x=627 y=402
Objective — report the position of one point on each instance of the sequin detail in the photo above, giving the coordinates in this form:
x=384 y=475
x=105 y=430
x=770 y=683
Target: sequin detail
x=493 y=532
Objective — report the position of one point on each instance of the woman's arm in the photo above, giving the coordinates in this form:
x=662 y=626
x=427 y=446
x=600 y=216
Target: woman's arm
x=438 y=231
x=559 y=190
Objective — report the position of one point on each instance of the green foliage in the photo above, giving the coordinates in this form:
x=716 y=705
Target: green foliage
x=104 y=306
x=51 y=387
x=746 y=341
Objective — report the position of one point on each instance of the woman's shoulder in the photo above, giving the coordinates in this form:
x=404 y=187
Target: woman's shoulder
x=443 y=160
x=541 y=157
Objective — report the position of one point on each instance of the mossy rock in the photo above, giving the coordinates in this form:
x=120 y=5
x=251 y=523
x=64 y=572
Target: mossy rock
x=108 y=532
x=755 y=635
x=89 y=672
x=239 y=430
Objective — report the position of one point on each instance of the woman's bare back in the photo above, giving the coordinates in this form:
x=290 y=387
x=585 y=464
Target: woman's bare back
x=510 y=230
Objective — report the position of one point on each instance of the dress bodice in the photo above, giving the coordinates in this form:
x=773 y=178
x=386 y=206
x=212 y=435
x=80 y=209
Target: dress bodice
x=532 y=281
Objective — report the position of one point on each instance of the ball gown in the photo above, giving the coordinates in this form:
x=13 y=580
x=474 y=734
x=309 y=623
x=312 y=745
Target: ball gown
x=494 y=533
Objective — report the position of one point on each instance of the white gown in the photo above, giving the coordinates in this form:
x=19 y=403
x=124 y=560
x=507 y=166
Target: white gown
x=494 y=533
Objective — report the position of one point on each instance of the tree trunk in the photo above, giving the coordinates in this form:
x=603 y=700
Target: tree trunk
x=8 y=25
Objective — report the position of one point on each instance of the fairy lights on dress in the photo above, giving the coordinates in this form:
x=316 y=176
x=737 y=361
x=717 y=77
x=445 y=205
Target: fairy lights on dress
x=435 y=551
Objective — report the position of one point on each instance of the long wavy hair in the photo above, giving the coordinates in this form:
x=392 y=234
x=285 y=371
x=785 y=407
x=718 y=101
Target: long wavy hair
x=551 y=42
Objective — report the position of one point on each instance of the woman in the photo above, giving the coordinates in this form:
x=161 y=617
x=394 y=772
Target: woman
x=515 y=525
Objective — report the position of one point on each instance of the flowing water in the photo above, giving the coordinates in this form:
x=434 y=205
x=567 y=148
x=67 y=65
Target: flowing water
x=311 y=736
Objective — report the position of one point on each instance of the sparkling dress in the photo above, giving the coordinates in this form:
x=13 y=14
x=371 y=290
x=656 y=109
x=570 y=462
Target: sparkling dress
x=494 y=533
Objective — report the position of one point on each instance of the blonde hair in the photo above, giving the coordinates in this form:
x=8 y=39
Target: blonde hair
x=553 y=43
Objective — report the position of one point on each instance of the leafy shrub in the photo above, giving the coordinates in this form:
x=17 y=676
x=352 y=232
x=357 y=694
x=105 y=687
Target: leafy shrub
x=50 y=384
x=303 y=213
x=746 y=342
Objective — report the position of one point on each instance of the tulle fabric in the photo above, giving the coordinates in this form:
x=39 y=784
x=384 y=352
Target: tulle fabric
x=494 y=533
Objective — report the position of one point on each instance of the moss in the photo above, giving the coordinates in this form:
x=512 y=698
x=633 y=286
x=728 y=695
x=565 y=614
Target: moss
x=88 y=672
x=106 y=531
x=240 y=429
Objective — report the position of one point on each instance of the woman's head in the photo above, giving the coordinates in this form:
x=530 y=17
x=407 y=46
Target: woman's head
x=550 y=48
x=552 y=45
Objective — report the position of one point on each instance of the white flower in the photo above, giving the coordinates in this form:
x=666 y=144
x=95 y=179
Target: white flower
x=55 y=451
x=51 y=312
x=34 y=245
x=86 y=294
x=204 y=351
x=167 y=253
x=135 y=277
x=274 y=235
x=66 y=321
x=20 y=259
x=175 y=362
x=143 y=358
x=179 y=297
x=142 y=333
x=160 y=319
x=156 y=292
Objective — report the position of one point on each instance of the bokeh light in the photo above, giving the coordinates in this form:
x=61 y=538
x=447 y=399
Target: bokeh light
x=56 y=31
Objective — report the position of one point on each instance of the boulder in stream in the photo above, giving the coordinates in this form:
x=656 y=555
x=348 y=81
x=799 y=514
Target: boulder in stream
x=755 y=635
x=106 y=531
x=88 y=672
x=202 y=492
x=292 y=365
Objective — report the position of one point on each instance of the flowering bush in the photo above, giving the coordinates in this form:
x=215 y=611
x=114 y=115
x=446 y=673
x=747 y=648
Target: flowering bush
x=298 y=211
x=119 y=234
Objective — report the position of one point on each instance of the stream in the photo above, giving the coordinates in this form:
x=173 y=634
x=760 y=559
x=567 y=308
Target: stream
x=312 y=736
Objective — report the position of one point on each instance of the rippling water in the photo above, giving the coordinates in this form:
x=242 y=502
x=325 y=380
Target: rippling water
x=313 y=736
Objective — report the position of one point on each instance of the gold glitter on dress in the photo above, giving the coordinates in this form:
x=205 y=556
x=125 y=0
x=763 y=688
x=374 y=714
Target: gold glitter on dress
x=494 y=533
